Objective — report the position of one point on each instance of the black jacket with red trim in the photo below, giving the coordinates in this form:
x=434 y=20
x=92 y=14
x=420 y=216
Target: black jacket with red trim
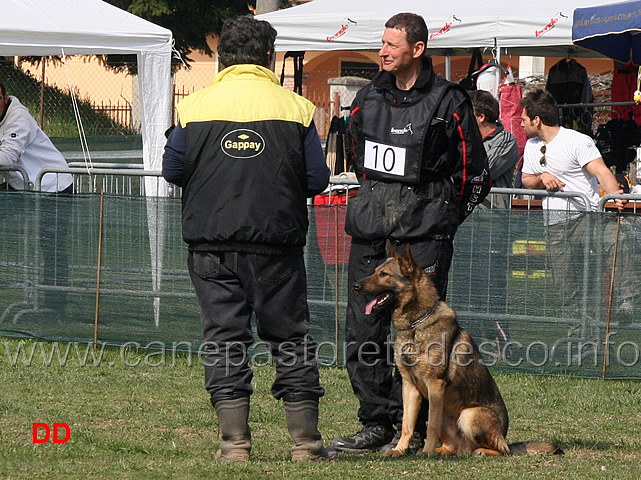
x=454 y=173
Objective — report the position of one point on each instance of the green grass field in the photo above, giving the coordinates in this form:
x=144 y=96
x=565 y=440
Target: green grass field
x=142 y=414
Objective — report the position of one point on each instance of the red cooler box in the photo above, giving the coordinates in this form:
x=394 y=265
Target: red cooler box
x=329 y=212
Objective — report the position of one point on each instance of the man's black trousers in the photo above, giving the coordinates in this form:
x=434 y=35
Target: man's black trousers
x=230 y=286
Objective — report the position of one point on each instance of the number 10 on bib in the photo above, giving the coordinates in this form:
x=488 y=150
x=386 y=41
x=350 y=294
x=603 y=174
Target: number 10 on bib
x=385 y=158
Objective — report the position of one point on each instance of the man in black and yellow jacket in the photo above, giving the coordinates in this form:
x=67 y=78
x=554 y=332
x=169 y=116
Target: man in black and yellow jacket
x=247 y=155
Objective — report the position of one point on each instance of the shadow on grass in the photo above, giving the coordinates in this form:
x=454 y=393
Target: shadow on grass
x=595 y=445
x=376 y=456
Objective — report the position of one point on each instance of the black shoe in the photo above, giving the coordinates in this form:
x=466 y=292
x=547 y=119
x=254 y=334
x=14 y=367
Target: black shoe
x=369 y=439
x=416 y=443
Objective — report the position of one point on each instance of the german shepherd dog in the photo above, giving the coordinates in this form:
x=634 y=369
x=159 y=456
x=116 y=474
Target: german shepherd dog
x=440 y=361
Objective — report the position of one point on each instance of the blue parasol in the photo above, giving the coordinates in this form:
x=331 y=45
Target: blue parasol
x=613 y=30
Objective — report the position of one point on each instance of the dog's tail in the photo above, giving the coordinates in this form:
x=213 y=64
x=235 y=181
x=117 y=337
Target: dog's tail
x=534 y=448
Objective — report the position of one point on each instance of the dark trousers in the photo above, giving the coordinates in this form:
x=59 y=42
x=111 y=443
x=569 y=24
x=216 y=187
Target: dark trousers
x=369 y=347
x=56 y=211
x=230 y=286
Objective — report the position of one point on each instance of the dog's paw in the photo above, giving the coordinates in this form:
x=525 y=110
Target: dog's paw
x=444 y=451
x=430 y=452
x=394 y=453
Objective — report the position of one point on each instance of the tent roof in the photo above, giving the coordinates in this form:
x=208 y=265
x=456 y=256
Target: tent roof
x=37 y=27
x=526 y=29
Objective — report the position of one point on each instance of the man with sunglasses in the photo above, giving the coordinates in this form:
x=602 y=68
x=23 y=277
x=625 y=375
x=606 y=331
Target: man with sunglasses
x=557 y=158
x=560 y=159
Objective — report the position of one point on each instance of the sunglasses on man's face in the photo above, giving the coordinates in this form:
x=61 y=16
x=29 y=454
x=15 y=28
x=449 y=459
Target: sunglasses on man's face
x=543 y=162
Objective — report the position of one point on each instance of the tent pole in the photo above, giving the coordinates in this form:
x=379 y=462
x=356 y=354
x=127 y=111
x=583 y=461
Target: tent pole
x=99 y=269
x=448 y=67
x=497 y=55
x=42 y=94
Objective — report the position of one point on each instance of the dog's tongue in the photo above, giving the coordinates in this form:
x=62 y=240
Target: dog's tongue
x=370 y=305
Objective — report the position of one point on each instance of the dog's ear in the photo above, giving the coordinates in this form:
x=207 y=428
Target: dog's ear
x=407 y=262
x=391 y=253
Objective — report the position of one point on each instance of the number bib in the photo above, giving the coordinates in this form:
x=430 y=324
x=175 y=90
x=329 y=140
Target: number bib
x=385 y=159
x=395 y=134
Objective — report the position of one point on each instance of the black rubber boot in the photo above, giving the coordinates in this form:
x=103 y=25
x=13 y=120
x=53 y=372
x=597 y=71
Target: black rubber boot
x=235 y=435
x=302 y=424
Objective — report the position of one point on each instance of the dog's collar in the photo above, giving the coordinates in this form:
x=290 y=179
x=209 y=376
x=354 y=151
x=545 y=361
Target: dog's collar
x=422 y=318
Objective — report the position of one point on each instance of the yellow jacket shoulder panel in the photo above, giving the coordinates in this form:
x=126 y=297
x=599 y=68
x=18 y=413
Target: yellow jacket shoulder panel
x=245 y=93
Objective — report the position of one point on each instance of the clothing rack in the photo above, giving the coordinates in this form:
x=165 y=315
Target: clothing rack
x=568 y=106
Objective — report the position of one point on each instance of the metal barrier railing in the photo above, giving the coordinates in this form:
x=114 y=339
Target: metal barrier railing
x=632 y=198
x=119 y=181
x=105 y=155
x=338 y=185
x=25 y=176
x=135 y=166
x=532 y=193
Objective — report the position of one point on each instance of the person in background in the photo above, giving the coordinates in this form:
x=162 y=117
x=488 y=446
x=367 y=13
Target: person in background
x=23 y=144
x=500 y=145
x=247 y=155
x=489 y=259
x=422 y=169
x=558 y=158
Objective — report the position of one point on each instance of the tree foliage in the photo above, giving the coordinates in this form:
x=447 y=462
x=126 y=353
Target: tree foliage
x=191 y=22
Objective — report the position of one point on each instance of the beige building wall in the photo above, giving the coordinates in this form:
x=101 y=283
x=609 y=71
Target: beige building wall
x=90 y=80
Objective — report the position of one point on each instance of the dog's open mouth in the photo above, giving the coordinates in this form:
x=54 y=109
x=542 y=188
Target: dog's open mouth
x=378 y=302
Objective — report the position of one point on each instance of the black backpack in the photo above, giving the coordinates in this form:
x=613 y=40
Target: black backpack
x=476 y=62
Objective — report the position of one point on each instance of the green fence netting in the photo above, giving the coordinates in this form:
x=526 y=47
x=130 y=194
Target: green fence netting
x=537 y=299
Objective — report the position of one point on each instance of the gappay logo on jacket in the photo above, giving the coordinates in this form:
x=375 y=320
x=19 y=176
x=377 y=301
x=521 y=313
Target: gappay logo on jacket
x=242 y=143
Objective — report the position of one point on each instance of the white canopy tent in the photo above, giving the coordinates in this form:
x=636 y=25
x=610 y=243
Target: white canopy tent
x=89 y=27
x=456 y=26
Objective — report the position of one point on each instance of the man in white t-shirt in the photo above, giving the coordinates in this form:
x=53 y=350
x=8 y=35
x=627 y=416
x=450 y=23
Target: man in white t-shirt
x=556 y=158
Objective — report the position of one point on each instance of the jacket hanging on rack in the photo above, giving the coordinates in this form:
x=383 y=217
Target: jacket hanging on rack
x=298 y=58
x=476 y=62
x=511 y=118
x=511 y=113
x=616 y=140
x=335 y=148
x=568 y=82
x=624 y=83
